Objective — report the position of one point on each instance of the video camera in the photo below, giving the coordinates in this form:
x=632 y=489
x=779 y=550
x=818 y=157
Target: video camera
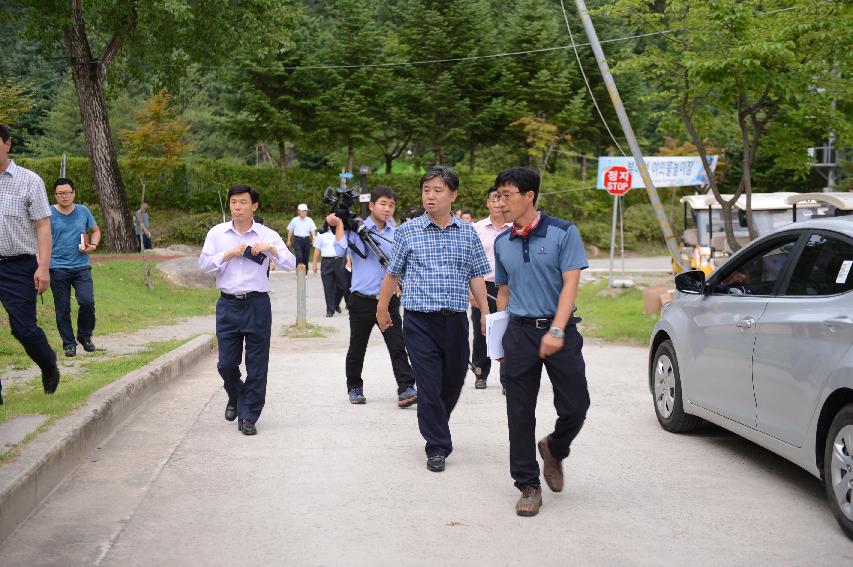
x=341 y=201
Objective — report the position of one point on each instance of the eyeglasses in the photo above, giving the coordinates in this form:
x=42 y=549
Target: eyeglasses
x=503 y=196
x=64 y=193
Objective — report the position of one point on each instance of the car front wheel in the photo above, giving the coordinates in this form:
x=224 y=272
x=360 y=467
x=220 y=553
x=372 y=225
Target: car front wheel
x=838 y=468
x=667 y=392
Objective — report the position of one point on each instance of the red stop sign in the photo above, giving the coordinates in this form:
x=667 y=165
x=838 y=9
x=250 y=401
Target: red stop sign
x=617 y=180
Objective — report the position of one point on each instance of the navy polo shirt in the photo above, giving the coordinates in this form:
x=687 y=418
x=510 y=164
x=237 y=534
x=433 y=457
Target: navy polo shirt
x=533 y=267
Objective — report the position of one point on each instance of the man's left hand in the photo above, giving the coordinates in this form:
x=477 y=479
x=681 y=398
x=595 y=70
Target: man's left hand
x=261 y=247
x=41 y=279
x=549 y=345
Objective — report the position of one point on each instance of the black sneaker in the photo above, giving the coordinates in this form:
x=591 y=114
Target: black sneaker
x=71 y=351
x=50 y=379
x=480 y=383
x=436 y=463
x=246 y=427
x=88 y=345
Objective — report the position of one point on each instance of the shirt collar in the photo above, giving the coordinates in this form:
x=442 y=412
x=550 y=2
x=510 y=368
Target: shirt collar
x=234 y=230
x=428 y=221
x=11 y=169
x=538 y=231
x=368 y=222
x=493 y=225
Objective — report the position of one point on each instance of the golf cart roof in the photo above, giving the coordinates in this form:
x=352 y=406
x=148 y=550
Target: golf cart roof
x=842 y=201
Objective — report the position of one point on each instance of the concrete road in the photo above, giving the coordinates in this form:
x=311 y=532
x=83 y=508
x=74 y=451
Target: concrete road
x=327 y=483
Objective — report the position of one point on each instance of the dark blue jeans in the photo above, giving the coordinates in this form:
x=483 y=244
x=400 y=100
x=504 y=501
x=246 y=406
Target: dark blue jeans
x=61 y=282
x=18 y=295
x=250 y=321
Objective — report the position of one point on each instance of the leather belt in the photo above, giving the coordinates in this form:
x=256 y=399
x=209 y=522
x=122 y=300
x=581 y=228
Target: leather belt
x=447 y=312
x=365 y=296
x=542 y=322
x=15 y=258
x=247 y=295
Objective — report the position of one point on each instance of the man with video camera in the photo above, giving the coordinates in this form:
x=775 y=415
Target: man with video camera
x=367 y=274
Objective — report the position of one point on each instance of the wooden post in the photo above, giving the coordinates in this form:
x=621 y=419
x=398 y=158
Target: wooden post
x=301 y=299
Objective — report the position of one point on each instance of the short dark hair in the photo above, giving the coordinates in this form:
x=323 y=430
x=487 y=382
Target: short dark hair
x=239 y=189
x=63 y=181
x=524 y=178
x=4 y=133
x=447 y=174
x=381 y=191
x=492 y=189
x=413 y=214
x=466 y=212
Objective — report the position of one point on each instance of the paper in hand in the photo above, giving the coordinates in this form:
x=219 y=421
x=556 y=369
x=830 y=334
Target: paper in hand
x=496 y=324
x=256 y=258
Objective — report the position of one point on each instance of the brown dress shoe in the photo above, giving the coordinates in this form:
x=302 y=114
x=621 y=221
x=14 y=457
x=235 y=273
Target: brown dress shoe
x=553 y=469
x=530 y=501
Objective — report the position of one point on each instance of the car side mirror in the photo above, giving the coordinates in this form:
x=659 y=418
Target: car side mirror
x=690 y=282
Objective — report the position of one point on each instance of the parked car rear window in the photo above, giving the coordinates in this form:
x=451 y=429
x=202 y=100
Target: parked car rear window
x=823 y=268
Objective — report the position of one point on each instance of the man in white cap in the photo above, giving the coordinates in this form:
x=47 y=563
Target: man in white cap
x=300 y=234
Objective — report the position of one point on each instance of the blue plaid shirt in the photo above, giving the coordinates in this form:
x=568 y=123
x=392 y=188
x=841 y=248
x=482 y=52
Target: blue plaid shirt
x=437 y=265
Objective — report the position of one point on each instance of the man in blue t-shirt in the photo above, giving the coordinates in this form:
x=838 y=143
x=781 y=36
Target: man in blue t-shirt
x=75 y=236
x=537 y=268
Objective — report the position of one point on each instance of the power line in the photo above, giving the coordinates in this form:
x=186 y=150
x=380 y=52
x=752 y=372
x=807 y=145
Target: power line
x=567 y=191
x=324 y=66
x=586 y=81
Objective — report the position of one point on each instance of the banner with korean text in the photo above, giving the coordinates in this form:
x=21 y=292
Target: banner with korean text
x=666 y=171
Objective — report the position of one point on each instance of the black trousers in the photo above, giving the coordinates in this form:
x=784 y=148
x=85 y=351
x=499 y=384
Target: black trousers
x=438 y=349
x=333 y=273
x=522 y=370
x=302 y=249
x=250 y=321
x=478 y=346
x=362 y=318
x=18 y=296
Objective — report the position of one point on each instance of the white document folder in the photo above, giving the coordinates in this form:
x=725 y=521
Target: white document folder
x=495 y=328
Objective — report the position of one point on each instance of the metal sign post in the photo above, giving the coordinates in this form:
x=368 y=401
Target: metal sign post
x=617 y=181
x=629 y=132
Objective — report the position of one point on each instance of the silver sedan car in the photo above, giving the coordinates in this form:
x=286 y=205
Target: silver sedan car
x=763 y=349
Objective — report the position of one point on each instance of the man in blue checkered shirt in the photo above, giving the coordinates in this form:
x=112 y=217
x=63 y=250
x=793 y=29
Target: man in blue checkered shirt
x=439 y=258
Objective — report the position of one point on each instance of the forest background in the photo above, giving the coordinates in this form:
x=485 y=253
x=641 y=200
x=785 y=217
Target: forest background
x=284 y=95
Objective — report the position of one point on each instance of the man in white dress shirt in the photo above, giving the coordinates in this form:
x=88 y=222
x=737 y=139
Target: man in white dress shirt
x=239 y=253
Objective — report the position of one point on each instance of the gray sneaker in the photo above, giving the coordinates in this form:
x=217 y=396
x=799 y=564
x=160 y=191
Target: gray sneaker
x=407 y=398
x=356 y=396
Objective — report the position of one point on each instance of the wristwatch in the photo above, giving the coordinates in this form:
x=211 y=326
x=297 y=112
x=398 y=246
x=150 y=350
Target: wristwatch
x=556 y=332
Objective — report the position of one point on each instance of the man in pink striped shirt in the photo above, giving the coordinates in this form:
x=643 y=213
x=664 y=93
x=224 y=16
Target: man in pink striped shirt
x=487 y=229
x=239 y=252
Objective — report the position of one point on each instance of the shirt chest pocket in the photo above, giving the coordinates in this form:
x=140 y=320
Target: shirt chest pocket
x=13 y=204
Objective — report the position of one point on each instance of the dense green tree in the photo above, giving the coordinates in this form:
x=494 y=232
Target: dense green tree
x=142 y=36
x=753 y=75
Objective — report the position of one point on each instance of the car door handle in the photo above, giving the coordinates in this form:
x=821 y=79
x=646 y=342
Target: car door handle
x=745 y=323
x=839 y=322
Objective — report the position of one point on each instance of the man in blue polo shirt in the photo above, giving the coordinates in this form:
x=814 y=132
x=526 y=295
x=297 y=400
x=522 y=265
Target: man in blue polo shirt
x=537 y=266
x=439 y=259
x=75 y=236
x=367 y=274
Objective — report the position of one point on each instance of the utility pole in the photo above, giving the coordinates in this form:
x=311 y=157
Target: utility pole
x=636 y=152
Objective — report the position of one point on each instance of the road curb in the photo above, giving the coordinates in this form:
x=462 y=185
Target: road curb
x=48 y=459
